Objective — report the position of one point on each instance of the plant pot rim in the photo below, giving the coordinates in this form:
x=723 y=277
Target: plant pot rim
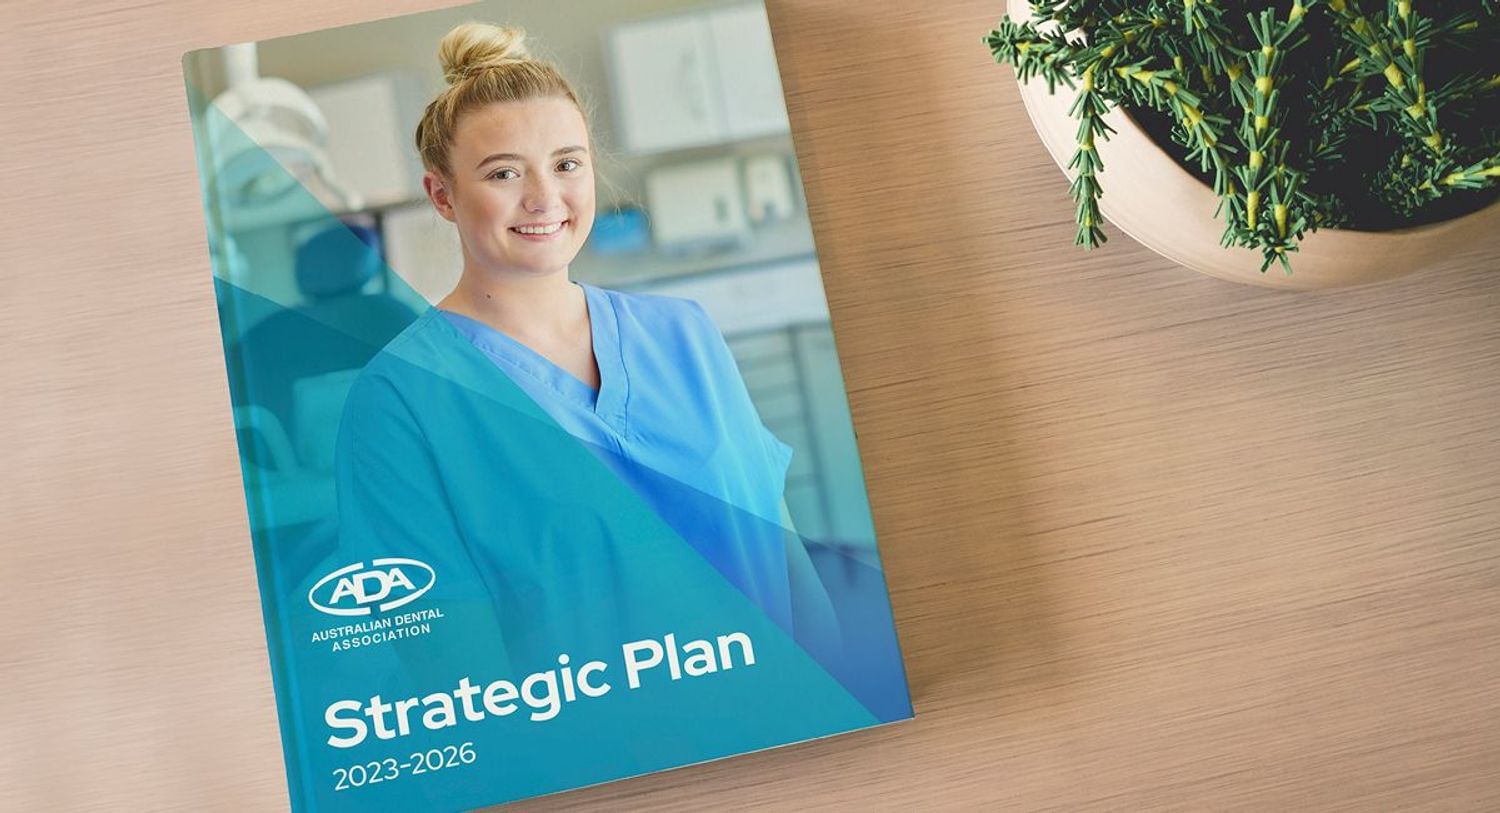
x=1399 y=231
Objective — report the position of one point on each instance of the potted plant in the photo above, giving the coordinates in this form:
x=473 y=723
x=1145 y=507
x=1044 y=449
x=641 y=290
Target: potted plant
x=1332 y=138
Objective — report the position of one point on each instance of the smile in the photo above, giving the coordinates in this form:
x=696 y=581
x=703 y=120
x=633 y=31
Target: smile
x=539 y=231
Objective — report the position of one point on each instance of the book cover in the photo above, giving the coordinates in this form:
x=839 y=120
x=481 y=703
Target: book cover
x=547 y=456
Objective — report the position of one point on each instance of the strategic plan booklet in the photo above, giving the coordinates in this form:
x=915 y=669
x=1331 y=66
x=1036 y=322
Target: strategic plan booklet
x=548 y=462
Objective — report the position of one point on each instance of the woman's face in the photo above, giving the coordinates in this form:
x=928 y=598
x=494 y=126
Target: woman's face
x=522 y=186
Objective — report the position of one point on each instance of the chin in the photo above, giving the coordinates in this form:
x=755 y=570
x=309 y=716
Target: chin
x=545 y=262
x=543 y=270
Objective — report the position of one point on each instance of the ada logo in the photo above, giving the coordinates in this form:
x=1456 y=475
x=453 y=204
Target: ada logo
x=385 y=585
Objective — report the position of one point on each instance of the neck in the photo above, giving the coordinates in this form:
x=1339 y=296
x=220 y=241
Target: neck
x=532 y=306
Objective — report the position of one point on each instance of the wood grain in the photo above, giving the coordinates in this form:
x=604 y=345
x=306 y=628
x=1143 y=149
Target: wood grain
x=1153 y=539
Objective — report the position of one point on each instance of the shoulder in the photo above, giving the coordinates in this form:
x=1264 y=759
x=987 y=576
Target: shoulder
x=658 y=311
x=389 y=372
x=430 y=344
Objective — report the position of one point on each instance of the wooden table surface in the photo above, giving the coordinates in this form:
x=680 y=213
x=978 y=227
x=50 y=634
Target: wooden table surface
x=1153 y=540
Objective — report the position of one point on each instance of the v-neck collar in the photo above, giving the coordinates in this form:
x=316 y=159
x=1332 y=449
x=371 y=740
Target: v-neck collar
x=607 y=402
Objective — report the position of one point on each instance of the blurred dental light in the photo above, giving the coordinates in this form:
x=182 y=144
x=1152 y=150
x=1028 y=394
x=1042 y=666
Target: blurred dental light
x=279 y=119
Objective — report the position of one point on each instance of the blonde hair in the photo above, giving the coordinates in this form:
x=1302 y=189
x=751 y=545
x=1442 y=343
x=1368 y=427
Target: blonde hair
x=483 y=64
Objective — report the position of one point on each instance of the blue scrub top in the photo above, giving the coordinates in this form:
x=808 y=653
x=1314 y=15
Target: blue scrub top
x=464 y=446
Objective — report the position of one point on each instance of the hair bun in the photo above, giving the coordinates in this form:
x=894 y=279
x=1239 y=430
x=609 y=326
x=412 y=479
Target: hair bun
x=474 y=47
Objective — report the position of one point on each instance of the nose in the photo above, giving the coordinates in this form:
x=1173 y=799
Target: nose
x=541 y=194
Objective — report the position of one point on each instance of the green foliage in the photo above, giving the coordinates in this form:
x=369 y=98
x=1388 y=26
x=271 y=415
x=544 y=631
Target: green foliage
x=1300 y=114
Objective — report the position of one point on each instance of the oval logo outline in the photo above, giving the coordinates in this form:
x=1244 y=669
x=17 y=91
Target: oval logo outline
x=383 y=564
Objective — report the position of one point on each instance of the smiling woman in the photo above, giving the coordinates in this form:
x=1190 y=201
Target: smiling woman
x=472 y=440
x=507 y=157
x=522 y=215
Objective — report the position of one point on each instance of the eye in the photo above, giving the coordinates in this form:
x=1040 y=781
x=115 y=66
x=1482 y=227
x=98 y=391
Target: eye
x=574 y=161
x=497 y=173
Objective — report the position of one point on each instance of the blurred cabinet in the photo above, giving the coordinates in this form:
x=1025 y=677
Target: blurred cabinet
x=370 y=120
x=748 y=78
x=695 y=79
x=794 y=378
x=665 y=86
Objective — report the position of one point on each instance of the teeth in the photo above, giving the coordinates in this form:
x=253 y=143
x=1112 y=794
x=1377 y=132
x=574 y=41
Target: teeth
x=538 y=229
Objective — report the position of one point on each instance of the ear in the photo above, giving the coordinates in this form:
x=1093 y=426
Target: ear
x=440 y=192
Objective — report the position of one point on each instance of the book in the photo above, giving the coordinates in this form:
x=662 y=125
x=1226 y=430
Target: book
x=548 y=461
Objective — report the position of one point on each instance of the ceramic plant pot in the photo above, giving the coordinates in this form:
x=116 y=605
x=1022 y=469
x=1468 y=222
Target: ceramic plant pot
x=1168 y=210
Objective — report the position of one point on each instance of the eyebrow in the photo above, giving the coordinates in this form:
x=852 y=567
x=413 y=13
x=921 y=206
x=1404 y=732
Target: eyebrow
x=510 y=156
